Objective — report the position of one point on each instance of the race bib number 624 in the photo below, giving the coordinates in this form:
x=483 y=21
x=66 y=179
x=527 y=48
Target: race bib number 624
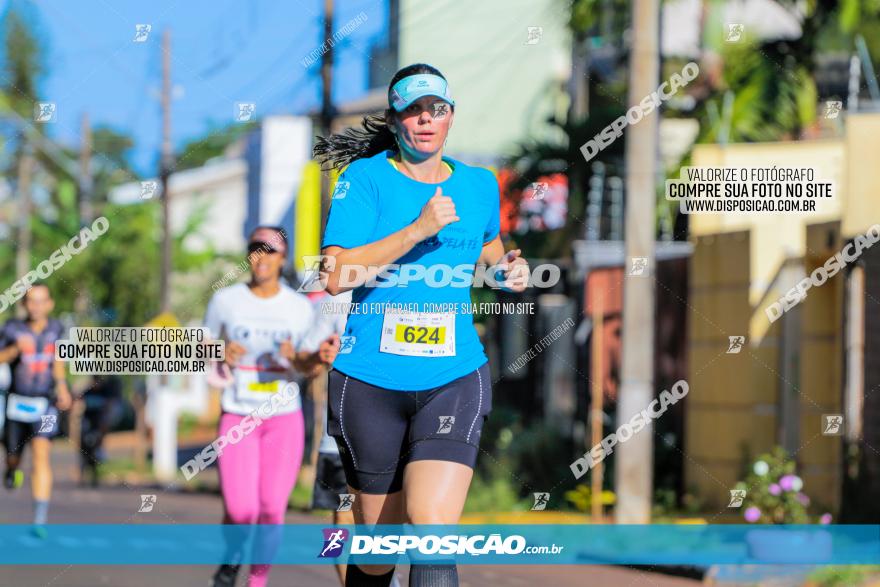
x=419 y=334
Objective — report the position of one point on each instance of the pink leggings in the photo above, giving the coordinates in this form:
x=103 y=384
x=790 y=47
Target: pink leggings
x=258 y=473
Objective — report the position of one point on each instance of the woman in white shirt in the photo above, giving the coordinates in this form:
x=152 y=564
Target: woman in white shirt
x=264 y=324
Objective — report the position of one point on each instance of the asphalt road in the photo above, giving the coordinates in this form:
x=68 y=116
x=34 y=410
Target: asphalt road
x=119 y=503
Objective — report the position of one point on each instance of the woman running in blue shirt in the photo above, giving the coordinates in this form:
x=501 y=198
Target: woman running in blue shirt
x=409 y=391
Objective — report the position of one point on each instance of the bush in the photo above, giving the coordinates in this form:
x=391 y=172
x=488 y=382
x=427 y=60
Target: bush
x=843 y=576
x=581 y=497
x=521 y=461
x=540 y=456
x=773 y=492
x=491 y=494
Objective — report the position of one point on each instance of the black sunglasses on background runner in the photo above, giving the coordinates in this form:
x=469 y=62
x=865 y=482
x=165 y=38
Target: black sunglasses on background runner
x=255 y=246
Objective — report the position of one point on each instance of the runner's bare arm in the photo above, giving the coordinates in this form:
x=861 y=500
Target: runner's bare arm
x=492 y=252
x=308 y=363
x=437 y=213
x=515 y=268
x=61 y=390
x=234 y=352
x=8 y=354
x=313 y=363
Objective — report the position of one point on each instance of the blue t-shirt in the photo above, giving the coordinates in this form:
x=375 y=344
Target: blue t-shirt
x=373 y=200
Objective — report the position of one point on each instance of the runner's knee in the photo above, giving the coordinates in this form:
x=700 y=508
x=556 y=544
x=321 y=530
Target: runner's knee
x=426 y=515
x=380 y=509
x=242 y=514
x=272 y=516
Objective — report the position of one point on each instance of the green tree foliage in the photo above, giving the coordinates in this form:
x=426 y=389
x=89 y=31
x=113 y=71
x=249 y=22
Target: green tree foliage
x=119 y=271
x=771 y=102
x=23 y=57
x=212 y=144
x=773 y=81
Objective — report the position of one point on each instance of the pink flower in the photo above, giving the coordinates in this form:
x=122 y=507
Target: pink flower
x=752 y=514
x=787 y=482
x=803 y=499
x=825 y=519
x=774 y=489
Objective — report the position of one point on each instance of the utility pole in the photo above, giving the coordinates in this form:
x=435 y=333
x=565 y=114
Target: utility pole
x=85 y=206
x=596 y=513
x=25 y=207
x=166 y=163
x=326 y=102
x=635 y=462
x=164 y=172
x=319 y=384
x=86 y=185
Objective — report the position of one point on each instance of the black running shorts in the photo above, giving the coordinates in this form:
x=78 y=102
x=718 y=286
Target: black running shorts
x=18 y=434
x=380 y=430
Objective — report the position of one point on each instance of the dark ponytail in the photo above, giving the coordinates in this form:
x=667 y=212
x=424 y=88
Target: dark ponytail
x=374 y=136
x=337 y=151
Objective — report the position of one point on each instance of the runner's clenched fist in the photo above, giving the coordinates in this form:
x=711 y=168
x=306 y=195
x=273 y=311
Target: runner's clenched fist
x=437 y=213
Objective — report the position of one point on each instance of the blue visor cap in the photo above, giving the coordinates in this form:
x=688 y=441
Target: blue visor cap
x=413 y=87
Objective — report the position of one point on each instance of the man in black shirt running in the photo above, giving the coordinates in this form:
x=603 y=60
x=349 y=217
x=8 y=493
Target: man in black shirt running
x=37 y=392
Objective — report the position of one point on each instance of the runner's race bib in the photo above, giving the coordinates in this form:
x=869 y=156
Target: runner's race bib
x=23 y=408
x=249 y=388
x=260 y=376
x=419 y=334
x=268 y=387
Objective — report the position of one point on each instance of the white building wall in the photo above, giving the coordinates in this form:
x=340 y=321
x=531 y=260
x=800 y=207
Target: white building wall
x=504 y=89
x=285 y=149
x=237 y=194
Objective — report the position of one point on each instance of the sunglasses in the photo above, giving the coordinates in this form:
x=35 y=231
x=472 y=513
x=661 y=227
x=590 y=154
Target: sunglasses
x=266 y=248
